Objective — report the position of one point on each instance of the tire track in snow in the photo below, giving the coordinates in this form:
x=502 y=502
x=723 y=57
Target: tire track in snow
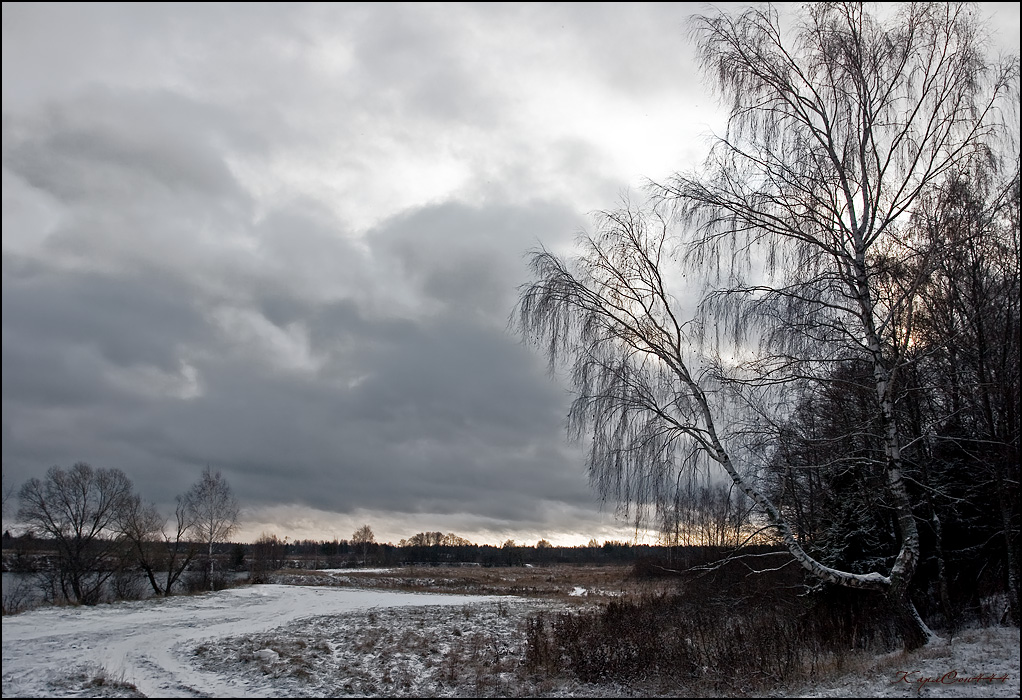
x=146 y=642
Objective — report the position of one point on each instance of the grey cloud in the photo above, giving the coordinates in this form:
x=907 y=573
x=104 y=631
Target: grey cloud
x=471 y=259
x=439 y=412
x=113 y=145
x=443 y=423
x=186 y=294
x=393 y=43
x=129 y=318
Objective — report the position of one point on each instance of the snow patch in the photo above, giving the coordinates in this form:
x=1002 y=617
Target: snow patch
x=268 y=656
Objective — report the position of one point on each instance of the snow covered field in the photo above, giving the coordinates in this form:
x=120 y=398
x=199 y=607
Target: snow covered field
x=321 y=641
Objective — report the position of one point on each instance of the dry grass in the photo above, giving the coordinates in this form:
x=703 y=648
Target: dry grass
x=470 y=651
x=565 y=583
x=726 y=635
x=94 y=681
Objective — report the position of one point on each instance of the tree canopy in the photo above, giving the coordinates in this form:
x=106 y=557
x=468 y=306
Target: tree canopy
x=798 y=260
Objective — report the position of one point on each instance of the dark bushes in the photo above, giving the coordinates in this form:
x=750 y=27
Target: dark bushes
x=724 y=630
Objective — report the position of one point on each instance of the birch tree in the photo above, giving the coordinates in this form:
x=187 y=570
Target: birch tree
x=796 y=227
x=211 y=507
x=362 y=541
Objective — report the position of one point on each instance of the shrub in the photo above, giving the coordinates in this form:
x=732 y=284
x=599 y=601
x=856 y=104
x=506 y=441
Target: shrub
x=723 y=630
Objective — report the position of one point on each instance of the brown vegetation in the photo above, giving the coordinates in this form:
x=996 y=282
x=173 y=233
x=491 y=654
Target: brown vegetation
x=558 y=582
x=647 y=630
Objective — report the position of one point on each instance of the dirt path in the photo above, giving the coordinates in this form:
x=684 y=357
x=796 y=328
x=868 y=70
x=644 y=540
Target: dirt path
x=145 y=642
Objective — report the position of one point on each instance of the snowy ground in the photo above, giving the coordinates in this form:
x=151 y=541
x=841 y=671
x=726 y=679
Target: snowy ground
x=325 y=641
x=978 y=663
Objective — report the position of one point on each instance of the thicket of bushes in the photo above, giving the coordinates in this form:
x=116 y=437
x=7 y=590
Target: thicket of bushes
x=722 y=630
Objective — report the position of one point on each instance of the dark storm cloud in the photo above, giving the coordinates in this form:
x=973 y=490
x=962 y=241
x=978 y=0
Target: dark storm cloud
x=425 y=413
x=308 y=368
x=405 y=415
x=470 y=260
x=69 y=315
x=105 y=145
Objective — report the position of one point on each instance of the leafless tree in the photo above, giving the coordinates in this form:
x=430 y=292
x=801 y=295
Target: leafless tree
x=80 y=509
x=797 y=229
x=213 y=511
x=435 y=539
x=268 y=555
x=512 y=552
x=453 y=540
x=8 y=493
x=970 y=334
x=154 y=548
x=714 y=515
x=362 y=541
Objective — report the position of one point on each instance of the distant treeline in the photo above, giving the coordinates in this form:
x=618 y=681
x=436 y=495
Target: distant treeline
x=28 y=552
x=330 y=554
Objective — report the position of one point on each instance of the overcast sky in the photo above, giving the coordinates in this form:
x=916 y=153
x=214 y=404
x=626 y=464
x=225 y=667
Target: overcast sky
x=284 y=241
